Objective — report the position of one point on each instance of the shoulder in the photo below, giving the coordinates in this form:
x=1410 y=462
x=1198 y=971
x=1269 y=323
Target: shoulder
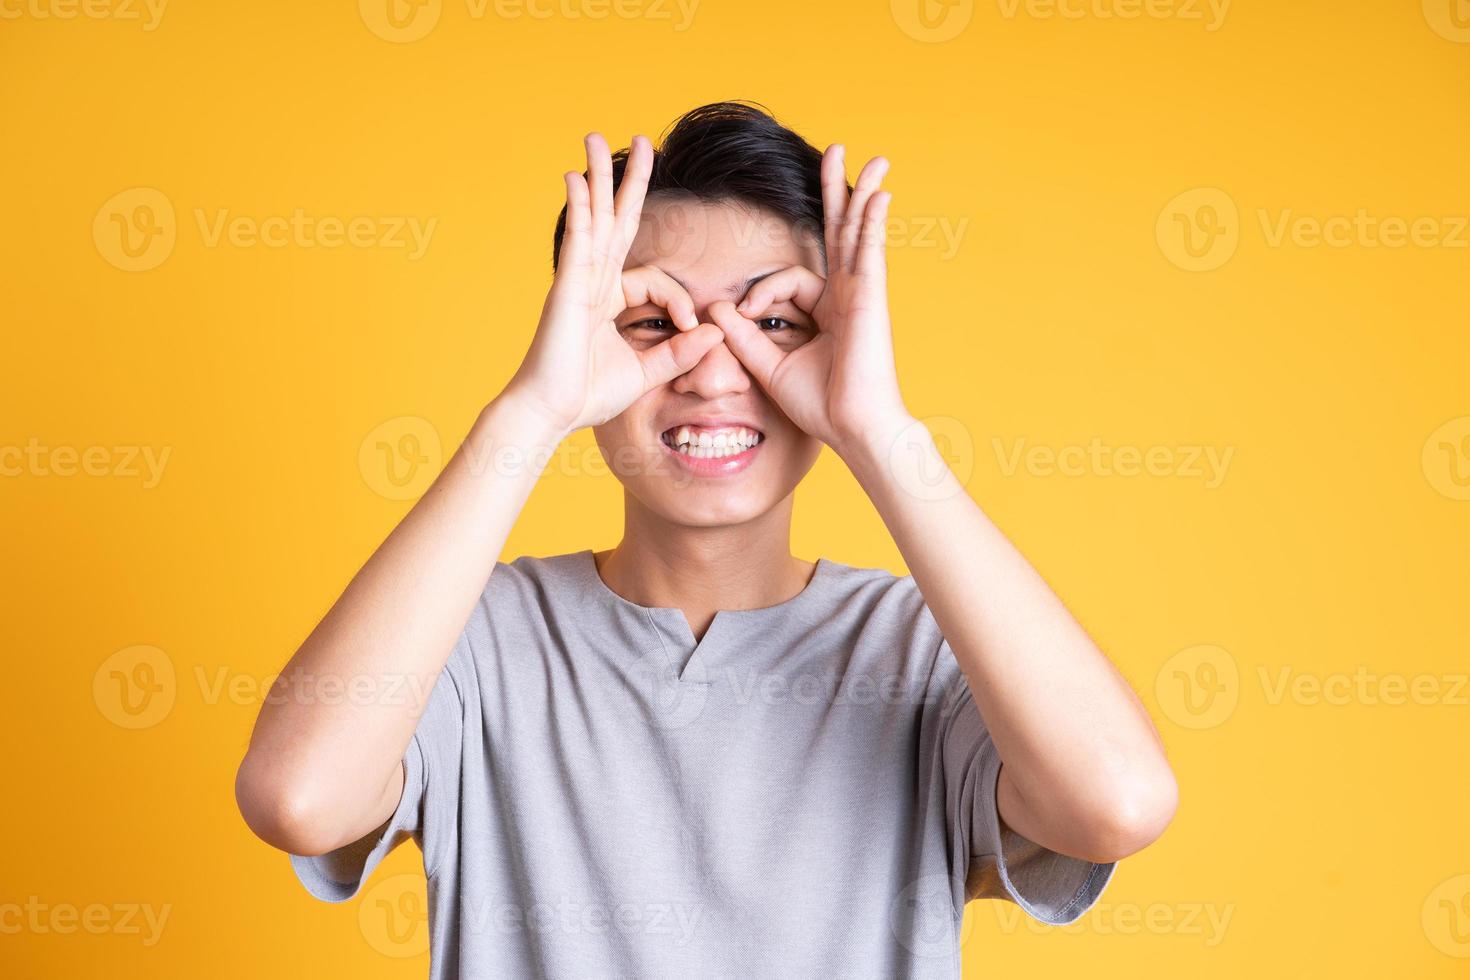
x=537 y=576
x=887 y=611
x=877 y=591
x=522 y=593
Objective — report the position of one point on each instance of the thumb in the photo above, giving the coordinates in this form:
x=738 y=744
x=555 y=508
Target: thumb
x=664 y=362
x=756 y=351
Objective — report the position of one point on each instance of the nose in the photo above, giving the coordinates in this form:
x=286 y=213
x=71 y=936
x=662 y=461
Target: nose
x=719 y=372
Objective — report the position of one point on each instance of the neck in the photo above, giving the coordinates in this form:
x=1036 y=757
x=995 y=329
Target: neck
x=702 y=570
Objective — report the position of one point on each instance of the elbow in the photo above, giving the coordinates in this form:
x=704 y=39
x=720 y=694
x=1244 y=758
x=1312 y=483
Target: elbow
x=279 y=811
x=1138 y=818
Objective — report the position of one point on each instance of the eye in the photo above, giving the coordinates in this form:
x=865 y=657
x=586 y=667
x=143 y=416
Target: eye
x=652 y=323
x=647 y=332
x=784 y=333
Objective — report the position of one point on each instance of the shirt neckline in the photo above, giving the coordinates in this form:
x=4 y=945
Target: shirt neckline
x=686 y=659
x=585 y=565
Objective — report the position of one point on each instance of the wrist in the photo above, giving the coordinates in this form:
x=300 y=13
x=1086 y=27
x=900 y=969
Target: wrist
x=512 y=438
x=872 y=443
x=902 y=461
x=520 y=420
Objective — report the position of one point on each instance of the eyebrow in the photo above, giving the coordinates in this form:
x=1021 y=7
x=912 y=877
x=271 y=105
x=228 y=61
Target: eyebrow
x=735 y=288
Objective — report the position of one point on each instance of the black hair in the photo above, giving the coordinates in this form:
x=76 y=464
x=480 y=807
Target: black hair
x=732 y=151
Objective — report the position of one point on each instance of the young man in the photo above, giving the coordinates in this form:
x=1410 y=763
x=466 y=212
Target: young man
x=695 y=755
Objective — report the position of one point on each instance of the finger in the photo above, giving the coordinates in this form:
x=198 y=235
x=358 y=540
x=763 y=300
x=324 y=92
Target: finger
x=632 y=189
x=868 y=181
x=599 y=171
x=751 y=346
x=647 y=284
x=834 y=200
x=796 y=284
x=665 y=361
x=872 y=244
x=576 y=239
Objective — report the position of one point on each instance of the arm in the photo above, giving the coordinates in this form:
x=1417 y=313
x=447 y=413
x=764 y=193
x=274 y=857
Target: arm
x=324 y=772
x=1083 y=769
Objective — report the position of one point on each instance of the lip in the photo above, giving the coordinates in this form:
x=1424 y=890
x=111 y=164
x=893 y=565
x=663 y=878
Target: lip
x=713 y=422
x=724 y=465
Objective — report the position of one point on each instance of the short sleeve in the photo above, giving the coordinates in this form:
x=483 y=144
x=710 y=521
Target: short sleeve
x=427 y=808
x=991 y=861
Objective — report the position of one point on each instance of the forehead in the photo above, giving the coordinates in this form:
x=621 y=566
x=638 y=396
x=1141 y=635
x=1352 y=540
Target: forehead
x=713 y=248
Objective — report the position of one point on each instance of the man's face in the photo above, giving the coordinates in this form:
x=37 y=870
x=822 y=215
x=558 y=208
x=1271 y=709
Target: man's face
x=715 y=251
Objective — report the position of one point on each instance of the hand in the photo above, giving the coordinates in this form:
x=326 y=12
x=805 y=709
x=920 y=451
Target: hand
x=841 y=386
x=579 y=370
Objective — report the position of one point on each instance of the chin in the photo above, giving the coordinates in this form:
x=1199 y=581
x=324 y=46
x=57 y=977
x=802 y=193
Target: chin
x=700 y=504
x=721 y=491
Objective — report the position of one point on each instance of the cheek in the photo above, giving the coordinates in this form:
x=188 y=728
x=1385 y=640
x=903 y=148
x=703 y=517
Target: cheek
x=610 y=436
x=632 y=426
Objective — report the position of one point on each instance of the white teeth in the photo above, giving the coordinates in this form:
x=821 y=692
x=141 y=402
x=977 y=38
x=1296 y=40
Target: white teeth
x=712 y=445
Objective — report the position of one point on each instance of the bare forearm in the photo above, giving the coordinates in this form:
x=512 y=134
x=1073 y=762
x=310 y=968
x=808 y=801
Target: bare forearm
x=324 y=759
x=1082 y=757
x=321 y=773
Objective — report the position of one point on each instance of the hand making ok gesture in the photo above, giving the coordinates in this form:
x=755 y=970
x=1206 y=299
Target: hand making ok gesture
x=841 y=386
x=579 y=370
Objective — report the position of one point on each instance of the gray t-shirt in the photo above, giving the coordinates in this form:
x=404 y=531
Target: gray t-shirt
x=807 y=791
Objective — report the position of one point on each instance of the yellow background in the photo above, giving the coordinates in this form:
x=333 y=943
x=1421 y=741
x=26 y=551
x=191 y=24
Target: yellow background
x=1329 y=838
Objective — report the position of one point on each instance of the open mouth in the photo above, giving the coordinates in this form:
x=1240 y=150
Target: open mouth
x=701 y=442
